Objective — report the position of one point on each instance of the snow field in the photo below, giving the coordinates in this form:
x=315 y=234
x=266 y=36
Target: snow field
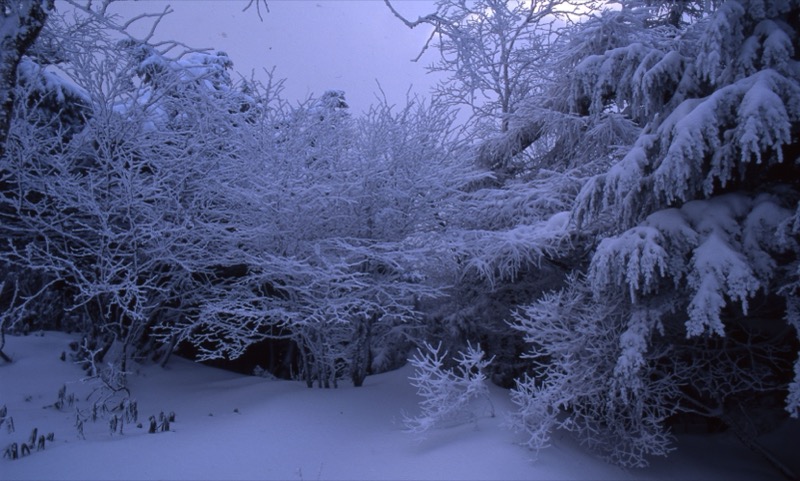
x=230 y=426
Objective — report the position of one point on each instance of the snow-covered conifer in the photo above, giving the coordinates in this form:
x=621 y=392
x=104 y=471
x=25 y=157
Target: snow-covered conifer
x=696 y=260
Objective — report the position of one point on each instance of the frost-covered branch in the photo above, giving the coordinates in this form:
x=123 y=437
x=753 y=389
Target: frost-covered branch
x=449 y=393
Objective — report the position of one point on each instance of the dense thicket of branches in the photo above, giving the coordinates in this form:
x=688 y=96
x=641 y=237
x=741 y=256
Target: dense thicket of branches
x=161 y=201
x=618 y=228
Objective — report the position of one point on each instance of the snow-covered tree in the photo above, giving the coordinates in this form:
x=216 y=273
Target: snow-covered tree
x=103 y=166
x=572 y=382
x=21 y=23
x=509 y=236
x=330 y=237
x=696 y=264
x=493 y=51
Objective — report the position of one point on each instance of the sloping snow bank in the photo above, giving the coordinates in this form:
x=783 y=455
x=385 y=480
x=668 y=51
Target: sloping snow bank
x=230 y=426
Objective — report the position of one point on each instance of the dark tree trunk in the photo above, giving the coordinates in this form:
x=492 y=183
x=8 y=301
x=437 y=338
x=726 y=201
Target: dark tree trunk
x=496 y=154
x=2 y=345
x=362 y=356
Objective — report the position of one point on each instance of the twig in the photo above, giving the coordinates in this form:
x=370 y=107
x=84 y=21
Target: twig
x=257 y=3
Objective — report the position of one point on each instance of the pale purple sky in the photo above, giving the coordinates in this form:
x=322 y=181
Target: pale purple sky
x=316 y=45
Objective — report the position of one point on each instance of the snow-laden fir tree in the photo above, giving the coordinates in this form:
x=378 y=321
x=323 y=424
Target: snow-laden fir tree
x=688 y=303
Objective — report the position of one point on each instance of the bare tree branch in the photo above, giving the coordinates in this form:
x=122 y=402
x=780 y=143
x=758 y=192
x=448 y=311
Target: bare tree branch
x=257 y=3
x=102 y=15
x=431 y=19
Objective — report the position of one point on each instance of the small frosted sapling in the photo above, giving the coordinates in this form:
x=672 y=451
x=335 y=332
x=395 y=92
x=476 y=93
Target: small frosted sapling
x=164 y=422
x=62 y=398
x=16 y=451
x=112 y=424
x=448 y=388
x=5 y=418
x=131 y=410
x=11 y=452
x=79 y=425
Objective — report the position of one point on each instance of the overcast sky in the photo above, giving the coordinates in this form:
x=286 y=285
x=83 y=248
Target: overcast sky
x=316 y=45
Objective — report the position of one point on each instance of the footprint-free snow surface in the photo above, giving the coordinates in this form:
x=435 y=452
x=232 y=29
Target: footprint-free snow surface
x=231 y=426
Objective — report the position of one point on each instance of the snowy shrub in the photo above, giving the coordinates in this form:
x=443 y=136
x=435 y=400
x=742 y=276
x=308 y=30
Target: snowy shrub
x=587 y=378
x=450 y=388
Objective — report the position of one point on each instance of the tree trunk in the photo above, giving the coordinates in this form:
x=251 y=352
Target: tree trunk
x=496 y=154
x=2 y=345
x=173 y=340
x=361 y=355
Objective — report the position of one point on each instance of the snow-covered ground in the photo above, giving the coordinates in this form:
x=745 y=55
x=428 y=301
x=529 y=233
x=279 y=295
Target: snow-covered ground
x=230 y=426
